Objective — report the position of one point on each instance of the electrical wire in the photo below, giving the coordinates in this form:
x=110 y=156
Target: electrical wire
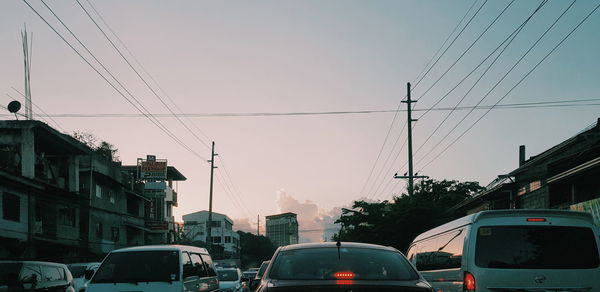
x=39 y=108
x=517 y=84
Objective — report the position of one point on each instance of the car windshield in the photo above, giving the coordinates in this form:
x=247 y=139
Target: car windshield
x=354 y=263
x=9 y=273
x=77 y=271
x=139 y=266
x=227 y=275
x=536 y=247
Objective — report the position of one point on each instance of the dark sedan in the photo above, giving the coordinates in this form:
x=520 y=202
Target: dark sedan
x=345 y=266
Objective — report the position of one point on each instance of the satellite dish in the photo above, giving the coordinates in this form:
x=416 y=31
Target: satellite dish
x=14 y=106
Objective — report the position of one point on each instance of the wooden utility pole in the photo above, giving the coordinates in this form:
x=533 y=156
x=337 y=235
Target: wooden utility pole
x=209 y=224
x=410 y=176
x=258 y=225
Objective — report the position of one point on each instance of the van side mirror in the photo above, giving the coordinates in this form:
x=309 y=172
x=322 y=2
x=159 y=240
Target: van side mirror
x=88 y=274
x=254 y=284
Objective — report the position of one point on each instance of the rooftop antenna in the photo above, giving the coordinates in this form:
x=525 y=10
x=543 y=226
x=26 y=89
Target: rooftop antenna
x=27 y=64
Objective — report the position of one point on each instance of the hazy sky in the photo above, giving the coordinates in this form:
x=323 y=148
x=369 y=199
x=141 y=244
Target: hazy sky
x=308 y=56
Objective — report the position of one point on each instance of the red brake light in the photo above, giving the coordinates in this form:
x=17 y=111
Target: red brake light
x=536 y=219
x=344 y=275
x=469 y=282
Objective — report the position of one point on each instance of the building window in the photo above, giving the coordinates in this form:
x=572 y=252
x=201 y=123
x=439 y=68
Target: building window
x=11 y=207
x=98 y=192
x=66 y=216
x=522 y=191
x=216 y=239
x=216 y=224
x=535 y=185
x=114 y=234
x=227 y=239
x=111 y=196
x=99 y=230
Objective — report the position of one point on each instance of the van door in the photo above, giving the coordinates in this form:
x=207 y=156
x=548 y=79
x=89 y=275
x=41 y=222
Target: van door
x=536 y=257
x=212 y=280
x=190 y=273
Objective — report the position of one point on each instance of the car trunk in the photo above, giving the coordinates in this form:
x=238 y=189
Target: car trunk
x=345 y=285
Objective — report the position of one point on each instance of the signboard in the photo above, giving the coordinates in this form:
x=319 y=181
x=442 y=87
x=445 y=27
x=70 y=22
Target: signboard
x=591 y=206
x=152 y=168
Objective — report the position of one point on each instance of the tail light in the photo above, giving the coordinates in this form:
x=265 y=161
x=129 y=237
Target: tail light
x=469 y=282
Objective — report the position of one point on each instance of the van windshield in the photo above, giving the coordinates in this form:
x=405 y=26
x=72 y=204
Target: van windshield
x=536 y=247
x=139 y=266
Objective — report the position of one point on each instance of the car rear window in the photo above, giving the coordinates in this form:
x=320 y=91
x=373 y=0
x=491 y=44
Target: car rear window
x=536 y=247
x=227 y=275
x=139 y=266
x=328 y=263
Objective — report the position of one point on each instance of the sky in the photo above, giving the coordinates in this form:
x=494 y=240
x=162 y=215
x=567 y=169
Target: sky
x=212 y=58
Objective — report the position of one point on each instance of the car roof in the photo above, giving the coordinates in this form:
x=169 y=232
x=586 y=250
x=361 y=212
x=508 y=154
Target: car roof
x=334 y=244
x=32 y=262
x=164 y=247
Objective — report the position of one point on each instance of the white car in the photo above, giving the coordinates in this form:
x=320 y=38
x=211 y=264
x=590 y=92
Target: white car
x=230 y=280
x=78 y=271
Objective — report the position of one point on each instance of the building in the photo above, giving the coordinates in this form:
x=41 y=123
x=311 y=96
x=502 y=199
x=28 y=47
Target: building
x=562 y=177
x=226 y=242
x=61 y=200
x=282 y=229
x=157 y=182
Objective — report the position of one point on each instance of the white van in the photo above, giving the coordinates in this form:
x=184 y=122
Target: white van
x=511 y=250
x=168 y=268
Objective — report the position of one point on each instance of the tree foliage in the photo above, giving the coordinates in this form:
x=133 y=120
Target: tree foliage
x=102 y=148
x=397 y=222
x=254 y=249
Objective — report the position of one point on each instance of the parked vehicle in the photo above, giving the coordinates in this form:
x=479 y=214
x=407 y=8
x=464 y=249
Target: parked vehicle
x=78 y=271
x=35 y=276
x=230 y=280
x=259 y=274
x=345 y=267
x=156 y=268
x=511 y=250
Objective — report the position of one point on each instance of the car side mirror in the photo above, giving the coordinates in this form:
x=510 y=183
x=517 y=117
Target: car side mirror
x=88 y=274
x=254 y=284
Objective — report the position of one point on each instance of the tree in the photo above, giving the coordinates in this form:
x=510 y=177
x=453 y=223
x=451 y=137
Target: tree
x=254 y=249
x=104 y=148
x=398 y=222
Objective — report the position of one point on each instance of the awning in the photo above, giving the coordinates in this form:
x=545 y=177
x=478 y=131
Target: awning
x=575 y=170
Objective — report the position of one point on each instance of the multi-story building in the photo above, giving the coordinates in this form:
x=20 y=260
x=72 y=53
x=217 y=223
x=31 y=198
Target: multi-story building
x=62 y=200
x=282 y=229
x=562 y=177
x=156 y=182
x=223 y=237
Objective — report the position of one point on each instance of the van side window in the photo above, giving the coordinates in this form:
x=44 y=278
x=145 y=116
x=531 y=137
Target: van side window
x=441 y=252
x=29 y=273
x=209 y=265
x=51 y=273
x=197 y=262
x=188 y=267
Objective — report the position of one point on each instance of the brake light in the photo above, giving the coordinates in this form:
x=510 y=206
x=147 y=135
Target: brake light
x=469 y=282
x=536 y=219
x=344 y=275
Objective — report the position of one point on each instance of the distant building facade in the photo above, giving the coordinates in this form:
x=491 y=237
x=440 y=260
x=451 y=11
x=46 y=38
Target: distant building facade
x=63 y=201
x=282 y=229
x=225 y=241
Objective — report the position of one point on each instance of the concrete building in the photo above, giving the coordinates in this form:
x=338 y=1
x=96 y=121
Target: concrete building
x=224 y=239
x=562 y=177
x=282 y=229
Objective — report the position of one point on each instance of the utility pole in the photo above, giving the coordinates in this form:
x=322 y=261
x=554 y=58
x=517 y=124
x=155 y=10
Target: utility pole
x=258 y=225
x=410 y=176
x=209 y=225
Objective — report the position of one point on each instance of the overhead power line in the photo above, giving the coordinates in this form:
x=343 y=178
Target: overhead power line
x=137 y=106
x=518 y=83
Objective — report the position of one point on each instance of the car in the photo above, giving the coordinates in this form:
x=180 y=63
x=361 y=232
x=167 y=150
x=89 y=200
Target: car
x=230 y=279
x=262 y=269
x=173 y=268
x=35 y=276
x=78 y=271
x=511 y=250
x=341 y=266
x=247 y=276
